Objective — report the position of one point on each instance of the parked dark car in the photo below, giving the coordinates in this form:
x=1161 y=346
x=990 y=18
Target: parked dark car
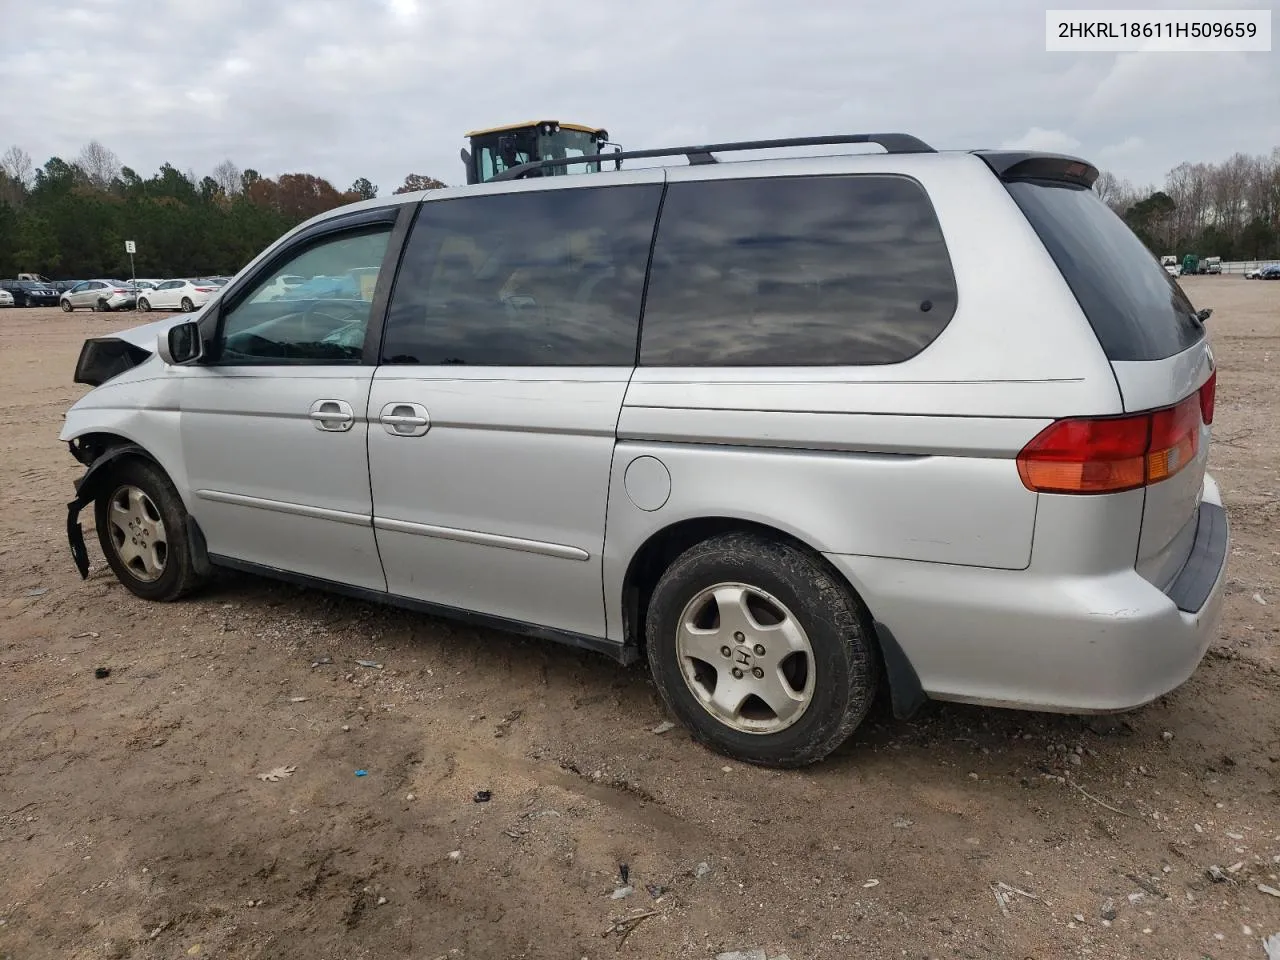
x=1270 y=273
x=31 y=293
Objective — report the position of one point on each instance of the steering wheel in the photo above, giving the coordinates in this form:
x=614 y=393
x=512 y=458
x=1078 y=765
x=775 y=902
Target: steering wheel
x=343 y=313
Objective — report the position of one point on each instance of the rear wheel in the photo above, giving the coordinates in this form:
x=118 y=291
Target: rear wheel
x=142 y=528
x=187 y=305
x=144 y=304
x=761 y=652
x=66 y=306
x=102 y=307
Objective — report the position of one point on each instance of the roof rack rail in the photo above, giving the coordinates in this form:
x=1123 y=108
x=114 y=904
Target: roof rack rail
x=892 y=143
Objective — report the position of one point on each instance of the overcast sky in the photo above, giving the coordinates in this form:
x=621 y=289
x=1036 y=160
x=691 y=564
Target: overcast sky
x=382 y=88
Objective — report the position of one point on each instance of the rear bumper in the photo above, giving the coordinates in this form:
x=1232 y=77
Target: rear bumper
x=1075 y=644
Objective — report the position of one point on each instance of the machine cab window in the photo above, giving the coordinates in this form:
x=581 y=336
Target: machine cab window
x=498 y=149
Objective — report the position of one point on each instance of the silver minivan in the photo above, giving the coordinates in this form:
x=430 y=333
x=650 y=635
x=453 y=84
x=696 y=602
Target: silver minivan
x=796 y=431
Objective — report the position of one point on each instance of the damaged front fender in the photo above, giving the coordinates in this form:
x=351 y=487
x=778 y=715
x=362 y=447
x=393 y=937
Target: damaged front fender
x=93 y=484
x=88 y=488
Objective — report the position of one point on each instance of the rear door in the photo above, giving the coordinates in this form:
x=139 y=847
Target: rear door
x=1150 y=332
x=510 y=341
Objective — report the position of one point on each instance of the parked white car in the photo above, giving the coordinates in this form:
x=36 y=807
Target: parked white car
x=184 y=295
x=6 y=298
x=280 y=287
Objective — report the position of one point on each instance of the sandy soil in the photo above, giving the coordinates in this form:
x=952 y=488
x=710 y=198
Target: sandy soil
x=132 y=823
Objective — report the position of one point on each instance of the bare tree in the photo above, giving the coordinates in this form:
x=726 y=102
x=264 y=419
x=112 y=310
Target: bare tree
x=99 y=164
x=227 y=176
x=1229 y=191
x=17 y=166
x=1187 y=185
x=1106 y=186
x=1117 y=194
x=1263 y=198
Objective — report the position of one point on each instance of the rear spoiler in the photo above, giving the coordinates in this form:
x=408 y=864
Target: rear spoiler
x=1032 y=165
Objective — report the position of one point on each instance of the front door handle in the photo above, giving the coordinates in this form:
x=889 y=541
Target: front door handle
x=332 y=416
x=405 y=419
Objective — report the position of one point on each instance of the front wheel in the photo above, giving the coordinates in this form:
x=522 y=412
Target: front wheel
x=66 y=306
x=142 y=528
x=762 y=653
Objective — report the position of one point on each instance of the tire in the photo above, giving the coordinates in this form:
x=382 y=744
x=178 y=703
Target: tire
x=187 y=305
x=66 y=306
x=140 y=508
x=834 y=692
x=144 y=304
x=101 y=307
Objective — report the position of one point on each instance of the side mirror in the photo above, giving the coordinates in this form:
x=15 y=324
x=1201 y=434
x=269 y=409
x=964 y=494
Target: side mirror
x=181 y=344
x=1204 y=315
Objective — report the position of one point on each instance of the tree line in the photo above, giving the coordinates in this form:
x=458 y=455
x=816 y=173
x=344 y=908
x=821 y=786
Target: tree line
x=1229 y=210
x=69 y=219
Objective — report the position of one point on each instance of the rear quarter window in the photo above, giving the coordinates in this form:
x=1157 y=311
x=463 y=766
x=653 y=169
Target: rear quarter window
x=1137 y=311
x=796 y=271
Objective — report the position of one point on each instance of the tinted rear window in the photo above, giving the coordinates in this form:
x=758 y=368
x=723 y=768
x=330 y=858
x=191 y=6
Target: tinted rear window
x=796 y=271
x=541 y=278
x=1137 y=311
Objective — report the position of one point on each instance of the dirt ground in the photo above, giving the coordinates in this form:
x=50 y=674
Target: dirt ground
x=132 y=822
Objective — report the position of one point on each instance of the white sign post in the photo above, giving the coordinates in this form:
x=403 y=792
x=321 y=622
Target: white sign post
x=131 y=248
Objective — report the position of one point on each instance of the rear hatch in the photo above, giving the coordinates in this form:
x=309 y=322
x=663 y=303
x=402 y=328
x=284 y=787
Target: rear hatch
x=1150 y=333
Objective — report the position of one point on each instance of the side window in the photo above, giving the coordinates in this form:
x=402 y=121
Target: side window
x=796 y=271
x=322 y=320
x=542 y=278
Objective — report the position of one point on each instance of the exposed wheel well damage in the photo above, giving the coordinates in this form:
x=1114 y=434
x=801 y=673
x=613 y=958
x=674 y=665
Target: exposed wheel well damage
x=90 y=446
x=657 y=553
x=101 y=453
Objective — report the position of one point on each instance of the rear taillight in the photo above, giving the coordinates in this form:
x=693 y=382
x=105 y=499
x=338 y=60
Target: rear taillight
x=1207 y=394
x=204 y=289
x=1112 y=454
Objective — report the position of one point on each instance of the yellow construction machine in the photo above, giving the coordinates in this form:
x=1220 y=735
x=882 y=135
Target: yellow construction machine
x=499 y=149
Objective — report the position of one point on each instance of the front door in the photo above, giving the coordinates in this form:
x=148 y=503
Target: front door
x=274 y=427
x=86 y=294
x=166 y=295
x=510 y=341
x=158 y=295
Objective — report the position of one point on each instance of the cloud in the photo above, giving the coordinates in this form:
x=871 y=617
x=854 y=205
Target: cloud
x=1037 y=138
x=1126 y=147
x=382 y=88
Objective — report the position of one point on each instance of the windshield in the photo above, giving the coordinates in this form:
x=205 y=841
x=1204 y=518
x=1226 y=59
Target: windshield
x=568 y=144
x=509 y=150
